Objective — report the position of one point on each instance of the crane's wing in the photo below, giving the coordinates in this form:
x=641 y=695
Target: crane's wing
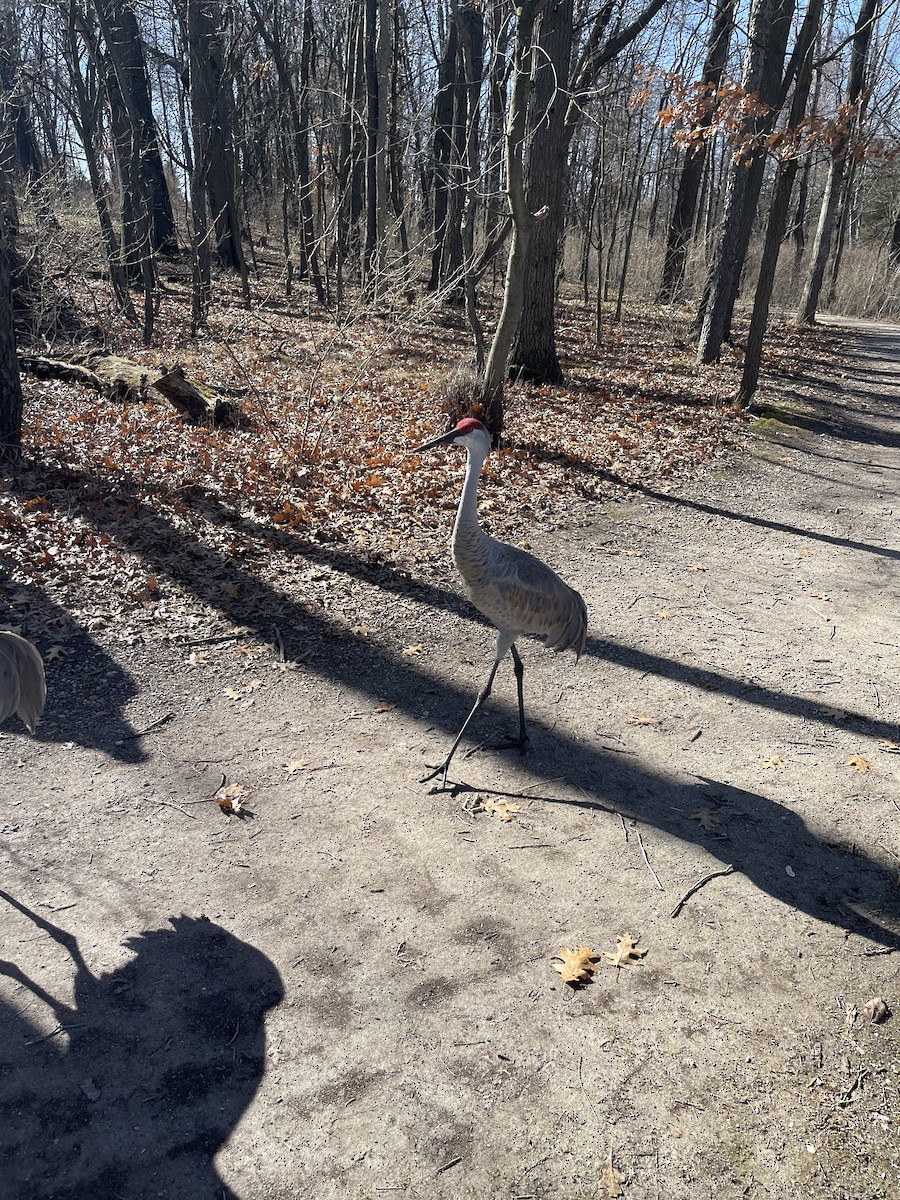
x=23 y=688
x=519 y=593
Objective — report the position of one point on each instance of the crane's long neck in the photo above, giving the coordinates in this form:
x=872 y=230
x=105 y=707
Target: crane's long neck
x=467 y=533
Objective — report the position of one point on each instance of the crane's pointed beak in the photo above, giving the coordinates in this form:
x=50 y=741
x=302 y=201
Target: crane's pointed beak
x=443 y=439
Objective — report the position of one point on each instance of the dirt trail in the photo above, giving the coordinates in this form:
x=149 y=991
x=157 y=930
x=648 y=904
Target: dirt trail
x=350 y=993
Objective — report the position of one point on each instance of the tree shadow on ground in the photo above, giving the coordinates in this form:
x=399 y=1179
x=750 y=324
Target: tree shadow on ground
x=717 y=510
x=148 y=1073
x=87 y=689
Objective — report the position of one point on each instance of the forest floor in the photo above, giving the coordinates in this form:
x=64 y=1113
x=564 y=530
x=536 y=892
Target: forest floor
x=347 y=988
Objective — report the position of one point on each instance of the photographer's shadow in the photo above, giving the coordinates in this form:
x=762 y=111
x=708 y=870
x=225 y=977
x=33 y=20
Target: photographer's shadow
x=147 y=1073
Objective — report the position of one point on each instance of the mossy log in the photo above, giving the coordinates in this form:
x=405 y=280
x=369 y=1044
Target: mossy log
x=125 y=381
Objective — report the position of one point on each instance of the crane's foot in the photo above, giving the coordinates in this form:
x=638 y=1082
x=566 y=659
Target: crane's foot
x=519 y=743
x=441 y=769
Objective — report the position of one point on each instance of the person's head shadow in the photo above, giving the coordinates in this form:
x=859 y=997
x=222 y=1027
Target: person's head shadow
x=147 y=1074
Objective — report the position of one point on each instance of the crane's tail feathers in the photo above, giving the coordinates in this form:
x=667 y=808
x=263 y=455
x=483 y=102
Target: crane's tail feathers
x=23 y=687
x=572 y=632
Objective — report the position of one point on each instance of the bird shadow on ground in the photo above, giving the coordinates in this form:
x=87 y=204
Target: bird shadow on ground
x=147 y=1072
x=771 y=845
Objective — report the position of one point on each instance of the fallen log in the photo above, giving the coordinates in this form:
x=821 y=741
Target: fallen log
x=124 y=381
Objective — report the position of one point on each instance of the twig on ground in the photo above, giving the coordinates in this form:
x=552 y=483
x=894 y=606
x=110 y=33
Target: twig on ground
x=646 y=859
x=163 y=720
x=697 y=886
x=281 y=655
x=171 y=804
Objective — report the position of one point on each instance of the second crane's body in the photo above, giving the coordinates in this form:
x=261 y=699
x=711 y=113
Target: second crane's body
x=518 y=593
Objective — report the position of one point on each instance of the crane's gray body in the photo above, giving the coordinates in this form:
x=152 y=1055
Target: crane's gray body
x=516 y=591
x=23 y=689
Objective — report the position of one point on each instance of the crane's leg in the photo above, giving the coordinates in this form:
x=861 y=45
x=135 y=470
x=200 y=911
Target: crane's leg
x=520 y=671
x=504 y=643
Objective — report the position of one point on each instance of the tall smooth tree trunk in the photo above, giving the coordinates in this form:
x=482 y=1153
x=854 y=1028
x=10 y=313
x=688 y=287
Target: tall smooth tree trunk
x=681 y=226
x=212 y=115
x=809 y=300
x=767 y=40
x=10 y=381
x=146 y=204
x=778 y=213
x=495 y=370
x=534 y=354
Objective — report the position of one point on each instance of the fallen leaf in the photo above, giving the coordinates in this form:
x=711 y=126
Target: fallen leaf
x=55 y=652
x=233 y=693
x=859 y=763
x=576 y=965
x=698 y=566
x=295 y=766
x=707 y=817
x=820 y=595
x=664 y=613
x=889 y=746
x=632 y=720
x=229 y=799
x=414 y=650
x=384 y=707
x=877 y=1010
x=627 y=952
x=502 y=809
x=195 y=659
x=252 y=686
x=611 y=1178
x=776 y=762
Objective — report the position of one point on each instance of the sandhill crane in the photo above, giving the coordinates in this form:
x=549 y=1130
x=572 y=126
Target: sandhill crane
x=23 y=689
x=516 y=591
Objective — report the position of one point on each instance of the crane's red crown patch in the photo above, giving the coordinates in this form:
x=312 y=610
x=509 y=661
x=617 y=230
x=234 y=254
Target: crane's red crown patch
x=468 y=425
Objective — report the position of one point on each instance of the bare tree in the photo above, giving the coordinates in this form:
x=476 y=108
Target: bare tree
x=809 y=301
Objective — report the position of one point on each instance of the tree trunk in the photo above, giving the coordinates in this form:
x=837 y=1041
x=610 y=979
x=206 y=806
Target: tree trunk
x=523 y=221
x=10 y=382
x=212 y=117
x=534 y=354
x=778 y=213
x=146 y=205
x=768 y=33
x=681 y=226
x=809 y=301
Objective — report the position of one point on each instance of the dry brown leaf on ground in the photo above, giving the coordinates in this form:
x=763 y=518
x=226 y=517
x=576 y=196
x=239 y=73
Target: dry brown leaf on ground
x=575 y=965
x=410 y=650
x=229 y=799
x=611 y=1178
x=859 y=763
x=631 y=719
x=707 y=817
x=627 y=952
x=876 y=1009
x=295 y=766
x=775 y=762
x=502 y=809
x=888 y=746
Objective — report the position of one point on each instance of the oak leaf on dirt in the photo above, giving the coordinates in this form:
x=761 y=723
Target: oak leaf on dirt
x=295 y=766
x=230 y=799
x=626 y=954
x=776 y=762
x=502 y=809
x=859 y=763
x=575 y=965
x=611 y=1178
x=707 y=817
